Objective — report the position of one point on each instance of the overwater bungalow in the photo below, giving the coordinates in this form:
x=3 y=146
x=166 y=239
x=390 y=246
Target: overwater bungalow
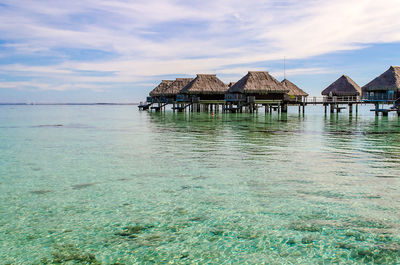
x=156 y=95
x=343 y=89
x=174 y=88
x=258 y=87
x=205 y=87
x=296 y=94
x=385 y=88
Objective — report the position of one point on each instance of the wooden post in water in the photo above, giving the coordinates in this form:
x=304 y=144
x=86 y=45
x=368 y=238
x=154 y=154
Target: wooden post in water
x=332 y=108
x=376 y=109
x=304 y=108
x=284 y=108
x=326 y=108
x=356 y=109
x=351 y=109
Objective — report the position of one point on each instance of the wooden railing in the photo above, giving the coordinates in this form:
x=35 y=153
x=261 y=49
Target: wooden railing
x=342 y=99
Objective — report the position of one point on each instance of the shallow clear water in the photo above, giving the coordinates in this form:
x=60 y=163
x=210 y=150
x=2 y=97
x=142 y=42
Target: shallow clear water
x=115 y=185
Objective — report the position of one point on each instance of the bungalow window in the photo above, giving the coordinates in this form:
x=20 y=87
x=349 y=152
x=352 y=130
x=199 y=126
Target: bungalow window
x=390 y=94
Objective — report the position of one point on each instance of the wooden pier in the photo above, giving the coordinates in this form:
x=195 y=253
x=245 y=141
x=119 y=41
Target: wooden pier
x=333 y=105
x=144 y=105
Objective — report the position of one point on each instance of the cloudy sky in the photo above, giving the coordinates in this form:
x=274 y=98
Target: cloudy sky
x=117 y=51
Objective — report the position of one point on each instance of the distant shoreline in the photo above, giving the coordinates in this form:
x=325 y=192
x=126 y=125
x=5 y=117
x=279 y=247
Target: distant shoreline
x=66 y=104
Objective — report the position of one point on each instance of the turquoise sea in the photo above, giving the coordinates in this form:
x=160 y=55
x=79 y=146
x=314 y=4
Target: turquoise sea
x=112 y=185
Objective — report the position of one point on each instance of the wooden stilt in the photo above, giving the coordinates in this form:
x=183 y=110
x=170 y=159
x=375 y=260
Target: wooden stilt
x=284 y=108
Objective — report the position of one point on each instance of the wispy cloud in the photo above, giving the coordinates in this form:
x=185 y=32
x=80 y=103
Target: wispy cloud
x=145 y=40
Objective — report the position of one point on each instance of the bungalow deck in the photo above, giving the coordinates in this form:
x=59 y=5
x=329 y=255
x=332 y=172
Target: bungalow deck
x=144 y=106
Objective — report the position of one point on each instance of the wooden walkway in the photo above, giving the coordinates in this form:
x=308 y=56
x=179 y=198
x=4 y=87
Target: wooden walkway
x=144 y=106
x=335 y=104
x=333 y=100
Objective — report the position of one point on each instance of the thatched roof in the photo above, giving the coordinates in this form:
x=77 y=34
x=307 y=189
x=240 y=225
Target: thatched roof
x=344 y=86
x=293 y=89
x=205 y=84
x=176 y=86
x=160 y=88
x=389 y=80
x=258 y=83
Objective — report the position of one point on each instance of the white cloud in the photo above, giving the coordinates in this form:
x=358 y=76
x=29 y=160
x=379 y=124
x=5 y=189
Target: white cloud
x=148 y=39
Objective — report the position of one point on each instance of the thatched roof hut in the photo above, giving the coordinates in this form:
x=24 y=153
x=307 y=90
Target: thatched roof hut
x=258 y=83
x=344 y=86
x=389 y=80
x=205 y=85
x=156 y=92
x=293 y=89
x=176 y=86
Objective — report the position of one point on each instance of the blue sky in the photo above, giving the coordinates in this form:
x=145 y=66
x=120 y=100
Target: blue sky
x=117 y=51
